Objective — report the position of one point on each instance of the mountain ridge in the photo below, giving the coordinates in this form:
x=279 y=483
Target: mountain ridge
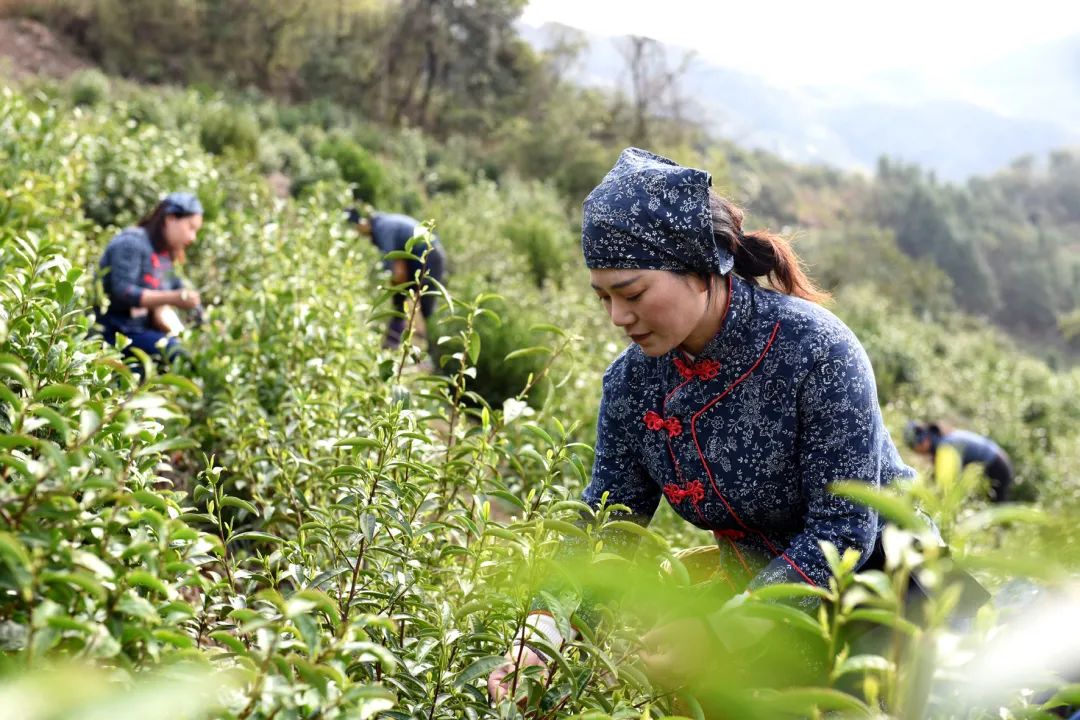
x=958 y=124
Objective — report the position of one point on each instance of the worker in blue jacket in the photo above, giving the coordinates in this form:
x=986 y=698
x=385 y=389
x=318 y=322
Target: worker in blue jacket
x=390 y=232
x=137 y=275
x=927 y=438
x=735 y=403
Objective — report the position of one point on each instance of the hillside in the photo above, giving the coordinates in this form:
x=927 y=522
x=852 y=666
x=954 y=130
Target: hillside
x=300 y=523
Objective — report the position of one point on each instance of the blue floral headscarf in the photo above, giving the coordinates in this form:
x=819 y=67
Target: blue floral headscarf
x=650 y=213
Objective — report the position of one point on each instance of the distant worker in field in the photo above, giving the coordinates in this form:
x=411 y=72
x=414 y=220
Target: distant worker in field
x=926 y=438
x=140 y=285
x=738 y=403
x=390 y=232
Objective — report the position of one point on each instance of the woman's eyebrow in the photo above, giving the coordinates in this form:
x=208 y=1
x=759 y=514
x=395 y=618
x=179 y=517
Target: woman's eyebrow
x=618 y=285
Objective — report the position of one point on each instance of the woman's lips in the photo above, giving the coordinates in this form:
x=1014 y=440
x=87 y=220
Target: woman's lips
x=639 y=338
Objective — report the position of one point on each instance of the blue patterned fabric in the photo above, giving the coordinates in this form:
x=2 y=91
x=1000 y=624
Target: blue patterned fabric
x=182 y=203
x=743 y=439
x=649 y=213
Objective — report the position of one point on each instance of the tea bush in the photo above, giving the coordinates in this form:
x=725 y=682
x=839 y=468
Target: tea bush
x=320 y=529
x=89 y=87
x=227 y=129
x=515 y=356
x=357 y=167
x=282 y=152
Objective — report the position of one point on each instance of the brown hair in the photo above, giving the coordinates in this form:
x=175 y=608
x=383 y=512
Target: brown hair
x=760 y=253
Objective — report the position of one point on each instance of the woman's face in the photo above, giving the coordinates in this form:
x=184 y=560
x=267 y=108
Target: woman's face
x=657 y=309
x=180 y=232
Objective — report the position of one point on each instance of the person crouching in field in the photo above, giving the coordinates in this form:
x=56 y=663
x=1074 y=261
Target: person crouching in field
x=736 y=403
x=390 y=232
x=927 y=438
x=136 y=272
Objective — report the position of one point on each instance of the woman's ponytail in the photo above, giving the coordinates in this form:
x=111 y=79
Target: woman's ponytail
x=760 y=253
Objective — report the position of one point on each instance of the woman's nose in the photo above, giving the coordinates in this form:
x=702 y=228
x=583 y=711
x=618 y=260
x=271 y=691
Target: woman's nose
x=621 y=316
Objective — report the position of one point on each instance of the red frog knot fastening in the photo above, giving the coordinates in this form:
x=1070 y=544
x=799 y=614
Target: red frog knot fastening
x=694 y=491
x=655 y=421
x=702 y=369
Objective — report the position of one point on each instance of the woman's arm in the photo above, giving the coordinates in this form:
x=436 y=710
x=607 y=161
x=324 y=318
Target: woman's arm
x=184 y=298
x=841 y=437
x=617 y=465
x=125 y=267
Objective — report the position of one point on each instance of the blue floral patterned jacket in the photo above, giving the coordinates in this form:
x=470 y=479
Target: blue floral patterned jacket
x=744 y=439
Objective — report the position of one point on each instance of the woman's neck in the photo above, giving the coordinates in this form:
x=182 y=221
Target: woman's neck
x=712 y=320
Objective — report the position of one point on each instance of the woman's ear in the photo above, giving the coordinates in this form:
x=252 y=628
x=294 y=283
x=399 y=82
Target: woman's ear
x=697 y=283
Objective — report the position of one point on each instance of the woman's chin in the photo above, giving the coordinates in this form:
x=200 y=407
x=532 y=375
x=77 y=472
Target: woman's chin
x=652 y=347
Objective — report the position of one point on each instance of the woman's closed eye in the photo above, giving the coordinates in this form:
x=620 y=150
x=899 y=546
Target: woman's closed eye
x=606 y=299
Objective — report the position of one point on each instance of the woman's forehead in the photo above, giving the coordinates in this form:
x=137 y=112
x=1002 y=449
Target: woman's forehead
x=614 y=279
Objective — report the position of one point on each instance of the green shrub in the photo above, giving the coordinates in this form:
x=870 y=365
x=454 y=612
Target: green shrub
x=310 y=137
x=318 y=172
x=146 y=111
x=284 y=153
x=545 y=245
x=357 y=167
x=497 y=378
x=89 y=87
x=225 y=129
x=446 y=179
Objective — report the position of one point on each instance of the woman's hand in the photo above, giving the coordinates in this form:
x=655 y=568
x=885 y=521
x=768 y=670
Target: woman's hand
x=188 y=298
x=500 y=680
x=676 y=653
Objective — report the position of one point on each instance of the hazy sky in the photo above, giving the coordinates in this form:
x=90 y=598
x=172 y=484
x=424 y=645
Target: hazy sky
x=825 y=41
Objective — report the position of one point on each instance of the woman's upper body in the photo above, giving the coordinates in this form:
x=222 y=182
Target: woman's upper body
x=130 y=266
x=778 y=401
x=744 y=438
x=392 y=231
x=136 y=269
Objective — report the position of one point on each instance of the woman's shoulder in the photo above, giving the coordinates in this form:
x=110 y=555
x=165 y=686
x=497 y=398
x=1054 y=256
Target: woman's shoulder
x=814 y=327
x=132 y=238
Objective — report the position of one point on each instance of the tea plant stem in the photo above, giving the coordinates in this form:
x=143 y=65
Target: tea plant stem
x=347 y=605
x=414 y=296
x=900 y=582
x=225 y=560
x=263 y=668
x=406 y=338
x=438 y=683
x=521 y=652
x=543 y=371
